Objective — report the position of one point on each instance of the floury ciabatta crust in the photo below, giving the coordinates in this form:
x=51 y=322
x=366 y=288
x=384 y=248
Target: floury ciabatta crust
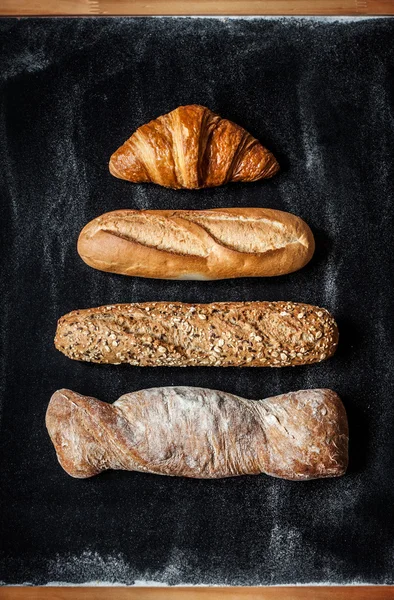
x=195 y=432
x=197 y=244
x=222 y=334
x=192 y=147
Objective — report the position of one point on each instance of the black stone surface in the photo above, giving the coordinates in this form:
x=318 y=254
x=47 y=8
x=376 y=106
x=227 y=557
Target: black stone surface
x=320 y=94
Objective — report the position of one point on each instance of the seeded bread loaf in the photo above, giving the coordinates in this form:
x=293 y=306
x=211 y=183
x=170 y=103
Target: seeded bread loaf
x=195 y=432
x=200 y=244
x=222 y=334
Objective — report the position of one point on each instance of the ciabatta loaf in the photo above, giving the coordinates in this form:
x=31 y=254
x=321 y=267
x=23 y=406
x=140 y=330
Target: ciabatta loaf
x=197 y=244
x=222 y=334
x=194 y=432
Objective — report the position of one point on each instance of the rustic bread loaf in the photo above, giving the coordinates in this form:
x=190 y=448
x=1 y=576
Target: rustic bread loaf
x=197 y=244
x=223 y=334
x=195 y=432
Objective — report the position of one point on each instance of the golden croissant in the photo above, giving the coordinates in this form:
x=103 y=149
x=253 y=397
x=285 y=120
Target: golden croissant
x=192 y=147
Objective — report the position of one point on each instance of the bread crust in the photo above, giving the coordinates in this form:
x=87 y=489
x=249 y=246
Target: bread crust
x=200 y=433
x=223 y=334
x=197 y=244
x=192 y=147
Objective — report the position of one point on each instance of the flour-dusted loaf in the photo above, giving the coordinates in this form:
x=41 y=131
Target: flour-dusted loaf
x=222 y=334
x=192 y=147
x=195 y=432
x=197 y=244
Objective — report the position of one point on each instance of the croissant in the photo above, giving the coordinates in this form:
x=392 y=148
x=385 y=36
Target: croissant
x=200 y=433
x=192 y=147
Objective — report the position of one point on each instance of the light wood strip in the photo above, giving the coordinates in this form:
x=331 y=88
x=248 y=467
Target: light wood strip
x=196 y=7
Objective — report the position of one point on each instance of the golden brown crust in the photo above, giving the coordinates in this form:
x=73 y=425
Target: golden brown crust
x=223 y=334
x=192 y=147
x=197 y=244
x=195 y=432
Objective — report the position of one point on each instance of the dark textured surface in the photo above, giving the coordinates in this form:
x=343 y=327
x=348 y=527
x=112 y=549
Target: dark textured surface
x=319 y=94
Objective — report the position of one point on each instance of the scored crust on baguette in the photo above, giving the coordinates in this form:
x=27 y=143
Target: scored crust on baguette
x=197 y=244
x=201 y=433
x=192 y=147
x=221 y=334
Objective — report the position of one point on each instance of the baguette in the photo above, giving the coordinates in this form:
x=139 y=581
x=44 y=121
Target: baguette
x=195 y=432
x=222 y=334
x=200 y=244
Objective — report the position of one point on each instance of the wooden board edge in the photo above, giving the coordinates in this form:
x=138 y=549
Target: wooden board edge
x=195 y=7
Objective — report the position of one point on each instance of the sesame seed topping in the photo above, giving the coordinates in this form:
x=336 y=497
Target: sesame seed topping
x=224 y=334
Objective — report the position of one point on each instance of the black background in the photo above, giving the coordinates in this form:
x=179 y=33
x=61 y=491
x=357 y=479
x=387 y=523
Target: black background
x=320 y=95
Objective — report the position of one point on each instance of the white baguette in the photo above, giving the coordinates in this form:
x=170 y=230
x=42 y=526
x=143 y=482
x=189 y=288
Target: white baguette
x=205 y=244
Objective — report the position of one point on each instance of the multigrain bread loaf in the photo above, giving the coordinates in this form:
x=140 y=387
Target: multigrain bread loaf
x=192 y=147
x=222 y=334
x=195 y=432
x=197 y=244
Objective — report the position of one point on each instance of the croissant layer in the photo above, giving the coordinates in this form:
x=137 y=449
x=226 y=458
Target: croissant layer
x=201 y=433
x=192 y=147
